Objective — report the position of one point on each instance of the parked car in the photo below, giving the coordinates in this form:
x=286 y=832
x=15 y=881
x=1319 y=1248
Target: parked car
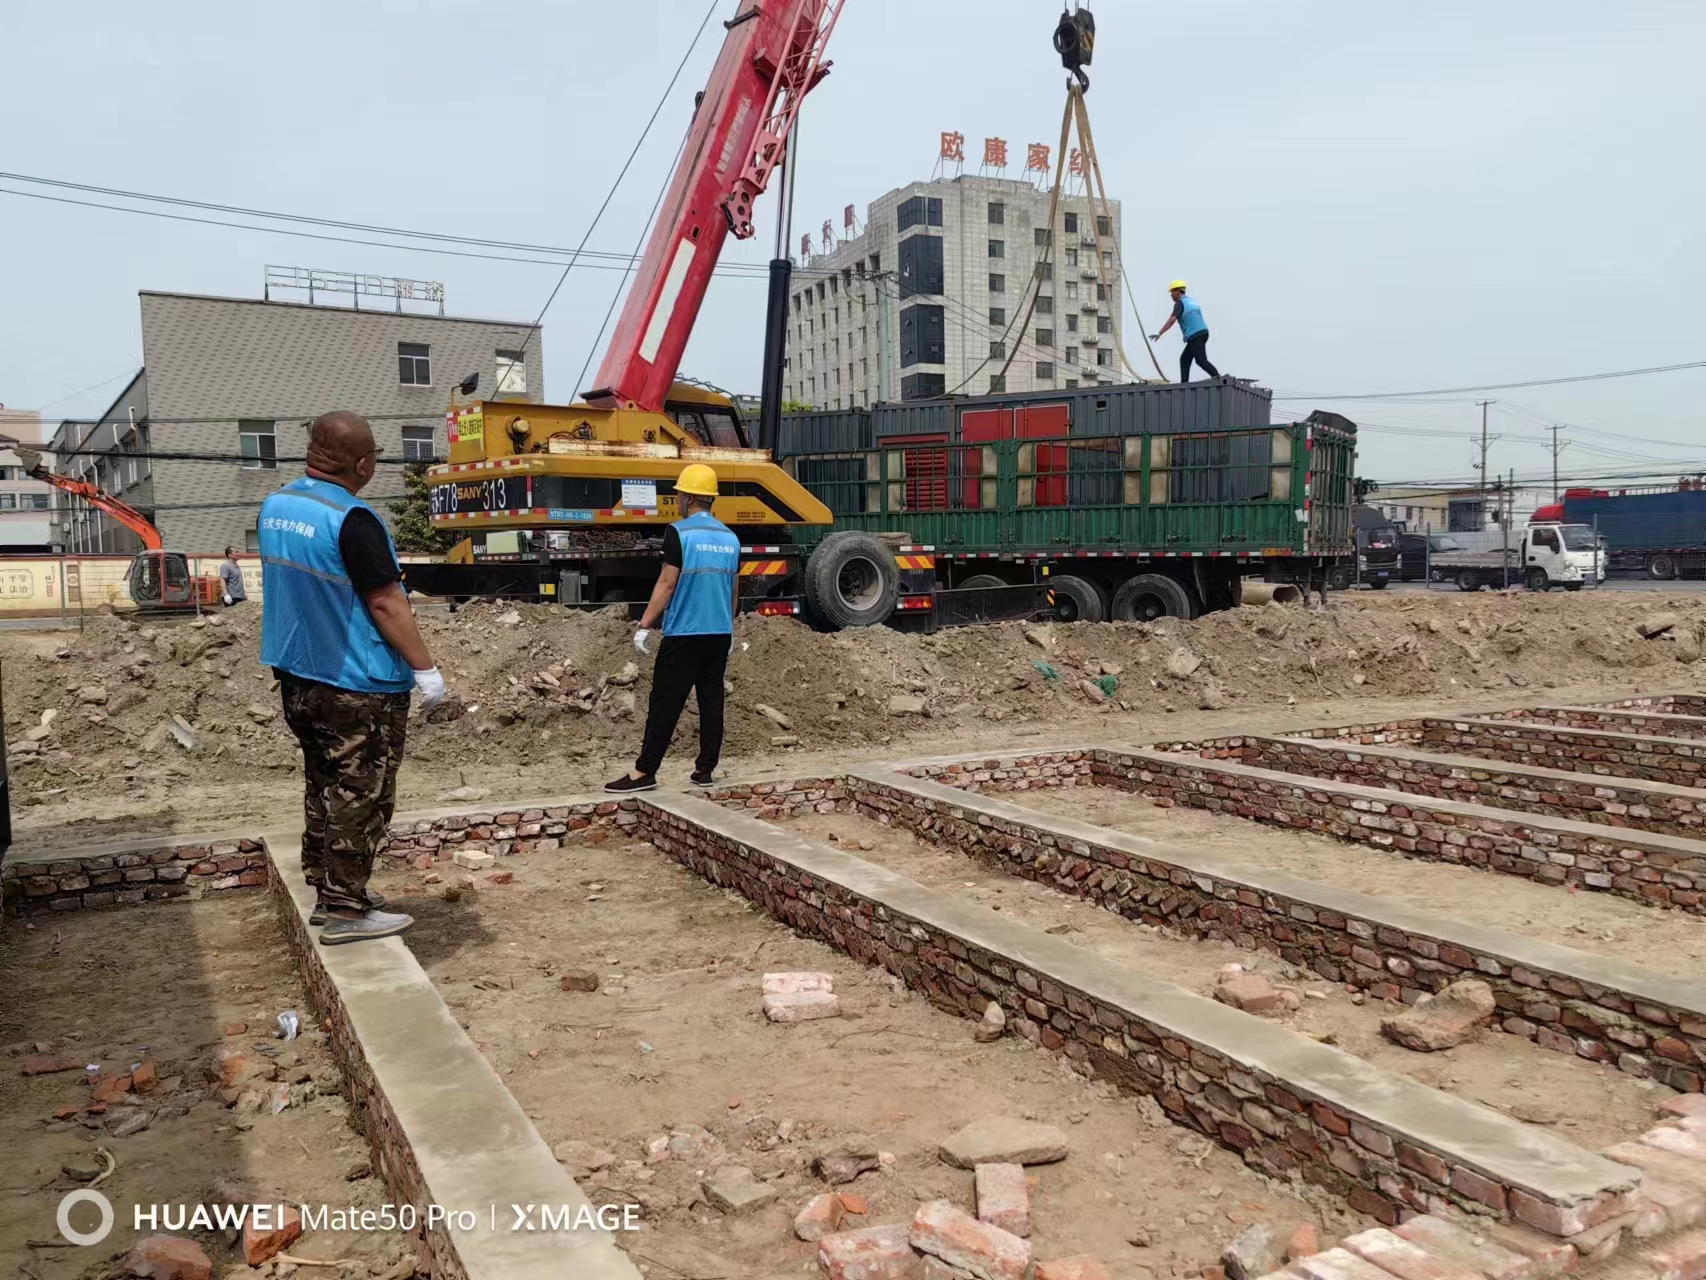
x=1415 y=550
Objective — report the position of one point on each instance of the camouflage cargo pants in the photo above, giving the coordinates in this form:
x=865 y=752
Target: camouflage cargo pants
x=352 y=745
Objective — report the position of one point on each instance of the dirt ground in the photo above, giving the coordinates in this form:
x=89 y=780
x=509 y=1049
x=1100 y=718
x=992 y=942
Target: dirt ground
x=164 y=984
x=548 y=701
x=1662 y=939
x=674 y=1037
x=1591 y=1105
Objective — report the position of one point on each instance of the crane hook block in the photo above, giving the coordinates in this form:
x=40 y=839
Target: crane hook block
x=1075 y=42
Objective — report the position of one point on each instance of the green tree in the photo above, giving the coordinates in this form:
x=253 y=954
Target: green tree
x=411 y=522
x=795 y=406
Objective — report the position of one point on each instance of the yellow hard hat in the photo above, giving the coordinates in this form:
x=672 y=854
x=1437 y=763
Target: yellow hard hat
x=698 y=479
x=1177 y=284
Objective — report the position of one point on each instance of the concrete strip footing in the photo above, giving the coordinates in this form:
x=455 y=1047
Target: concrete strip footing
x=443 y=1129
x=1664 y=724
x=1284 y=1101
x=1598 y=751
x=1593 y=1006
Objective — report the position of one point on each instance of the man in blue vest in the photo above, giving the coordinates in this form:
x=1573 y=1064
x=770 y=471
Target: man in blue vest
x=338 y=633
x=697 y=596
x=1188 y=316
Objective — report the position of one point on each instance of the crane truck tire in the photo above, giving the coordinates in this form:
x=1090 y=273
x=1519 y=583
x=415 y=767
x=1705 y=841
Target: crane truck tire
x=1076 y=600
x=1149 y=596
x=852 y=581
x=981 y=582
x=1468 y=580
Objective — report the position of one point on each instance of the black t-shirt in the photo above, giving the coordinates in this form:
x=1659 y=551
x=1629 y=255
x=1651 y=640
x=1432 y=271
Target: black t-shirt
x=367 y=552
x=671 y=546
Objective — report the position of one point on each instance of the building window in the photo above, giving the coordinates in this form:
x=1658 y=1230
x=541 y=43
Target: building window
x=876 y=263
x=1071 y=323
x=1045 y=370
x=417 y=444
x=997 y=382
x=1101 y=293
x=922 y=386
x=1041 y=238
x=997 y=349
x=998 y=284
x=1104 y=357
x=11 y=473
x=258 y=442
x=35 y=501
x=1104 y=324
x=1045 y=337
x=414 y=364
x=512 y=373
x=1108 y=259
x=998 y=315
x=1071 y=223
x=1072 y=384
x=922 y=336
x=8 y=502
x=1045 y=306
x=1072 y=291
x=997 y=213
x=1072 y=257
x=1104 y=225
x=998 y=248
x=1070 y=355
x=920 y=211
x=920 y=265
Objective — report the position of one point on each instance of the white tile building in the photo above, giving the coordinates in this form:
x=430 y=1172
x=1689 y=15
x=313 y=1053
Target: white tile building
x=928 y=300
x=26 y=506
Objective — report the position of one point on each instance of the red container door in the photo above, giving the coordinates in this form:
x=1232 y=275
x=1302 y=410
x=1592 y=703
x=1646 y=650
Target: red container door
x=1048 y=421
x=979 y=427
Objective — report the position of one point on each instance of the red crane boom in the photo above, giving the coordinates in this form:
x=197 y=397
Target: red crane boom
x=771 y=58
x=123 y=512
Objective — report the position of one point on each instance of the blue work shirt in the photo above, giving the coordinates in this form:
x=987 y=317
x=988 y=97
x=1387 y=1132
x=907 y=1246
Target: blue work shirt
x=1189 y=316
x=703 y=603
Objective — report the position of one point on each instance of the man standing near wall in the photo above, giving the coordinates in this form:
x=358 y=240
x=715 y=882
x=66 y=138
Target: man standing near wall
x=338 y=633
x=697 y=596
x=1188 y=316
x=231 y=578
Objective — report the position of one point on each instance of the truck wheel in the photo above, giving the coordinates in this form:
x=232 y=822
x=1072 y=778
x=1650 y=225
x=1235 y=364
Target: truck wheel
x=1467 y=580
x=1076 y=600
x=852 y=581
x=1339 y=578
x=1436 y=575
x=1661 y=568
x=1150 y=596
x=1538 y=580
x=982 y=582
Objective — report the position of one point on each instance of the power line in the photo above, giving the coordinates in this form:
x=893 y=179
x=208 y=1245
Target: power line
x=1506 y=386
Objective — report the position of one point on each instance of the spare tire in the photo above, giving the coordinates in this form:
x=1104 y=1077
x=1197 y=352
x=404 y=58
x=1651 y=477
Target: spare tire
x=981 y=582
x=852 y=581
x=1149 y=596
x=1076 y=600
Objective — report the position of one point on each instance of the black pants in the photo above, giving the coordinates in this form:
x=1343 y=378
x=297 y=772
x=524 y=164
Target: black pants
x=1196 y=348
x=684 y=663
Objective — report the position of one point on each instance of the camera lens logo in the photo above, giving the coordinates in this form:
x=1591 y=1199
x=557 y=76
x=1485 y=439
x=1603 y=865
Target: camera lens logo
x=85 y=1195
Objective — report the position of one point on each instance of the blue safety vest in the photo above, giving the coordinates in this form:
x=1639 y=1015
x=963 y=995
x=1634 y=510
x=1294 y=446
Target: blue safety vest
x=313 y=623
x=1190 y=317
x=703 y=603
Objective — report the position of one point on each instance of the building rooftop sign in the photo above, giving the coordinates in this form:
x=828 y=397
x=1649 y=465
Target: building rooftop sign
x=313 y=282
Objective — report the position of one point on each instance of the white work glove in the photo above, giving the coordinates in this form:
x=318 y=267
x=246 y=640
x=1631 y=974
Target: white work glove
x=642 y=637
x=430 y=685
x=226 y=598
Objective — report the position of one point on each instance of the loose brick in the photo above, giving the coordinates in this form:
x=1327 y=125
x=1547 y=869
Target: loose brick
x=1305 y=1240
x=821 y=1217
x=1600 y=1243
x=1003 y=1199
x=949 y=1233
x=168 y=1258
x=871 y=1253
x=1454 y=1244
x=1686 y=1104
x=1404 y=1259
x=1081 y=1266
x=473 y=859
x=804 y=1006
x=1679 y=1204
x=270 y=1239
x=1339 y=1264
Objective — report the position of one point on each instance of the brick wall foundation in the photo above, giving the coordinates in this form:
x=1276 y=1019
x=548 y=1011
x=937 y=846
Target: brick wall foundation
x=80 y=881
x=1566 y=1011
x=1625 y=755
x=1663 y=724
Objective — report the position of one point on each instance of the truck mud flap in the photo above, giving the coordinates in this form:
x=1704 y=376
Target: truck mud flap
x=966 y=607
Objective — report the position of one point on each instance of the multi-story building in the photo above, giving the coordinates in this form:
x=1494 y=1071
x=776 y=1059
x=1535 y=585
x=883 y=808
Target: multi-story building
x=26 y=516
x=933 y=297
x=235 y=381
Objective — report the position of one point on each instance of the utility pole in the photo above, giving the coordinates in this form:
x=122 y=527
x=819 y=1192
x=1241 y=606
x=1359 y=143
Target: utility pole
x=1481 y=470
x=1556 y=448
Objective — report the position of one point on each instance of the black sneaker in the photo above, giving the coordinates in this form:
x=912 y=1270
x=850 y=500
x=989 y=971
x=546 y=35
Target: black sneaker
x=375 y=901
x=704 y=778
x=628 y=782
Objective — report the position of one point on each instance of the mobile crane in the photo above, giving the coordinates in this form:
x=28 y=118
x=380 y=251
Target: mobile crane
x=520 y=476
x=158 y=579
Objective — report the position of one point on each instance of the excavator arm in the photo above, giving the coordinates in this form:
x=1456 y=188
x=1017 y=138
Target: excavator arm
x=771 y=58
x=123 y=512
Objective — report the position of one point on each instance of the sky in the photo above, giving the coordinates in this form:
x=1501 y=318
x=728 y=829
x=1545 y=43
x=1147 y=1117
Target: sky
x=1364 y=197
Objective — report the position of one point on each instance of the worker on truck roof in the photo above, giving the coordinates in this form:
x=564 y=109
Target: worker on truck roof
x=697 y=596
x=1188 y=316
x=338 y=633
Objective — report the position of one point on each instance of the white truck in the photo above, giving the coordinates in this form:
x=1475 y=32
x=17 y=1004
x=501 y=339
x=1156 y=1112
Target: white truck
x=1540 y=557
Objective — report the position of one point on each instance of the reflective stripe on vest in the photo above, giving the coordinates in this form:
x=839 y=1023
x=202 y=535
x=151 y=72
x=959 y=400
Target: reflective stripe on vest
x=313 y=622
x=703 y=603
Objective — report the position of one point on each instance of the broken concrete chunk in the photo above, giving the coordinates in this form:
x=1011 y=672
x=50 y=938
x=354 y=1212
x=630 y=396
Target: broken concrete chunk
x=873 y=1253
x=1182 y=663
x=734 y=1190
x=960 y=1240
x=582 y=1158
x=579 y=980
x=906 y=704
x=775 y=717
x=999 y=1140
x=846 y=1160
x=788 y=984
x=1254 y=1252
x=1003 y=1198
x=693 y=1142
x=1656 y=624
x=473 y=859
x=803 y=1006
x=1444 y=1020
x=992 y=1025
x=1251 y=992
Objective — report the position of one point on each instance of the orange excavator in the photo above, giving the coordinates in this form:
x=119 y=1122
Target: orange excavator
x=158 y=579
